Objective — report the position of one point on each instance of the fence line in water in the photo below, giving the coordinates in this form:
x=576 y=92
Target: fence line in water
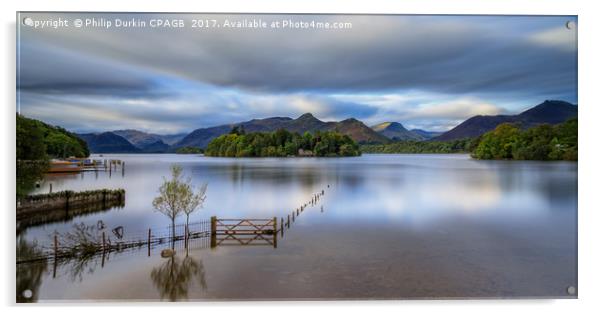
x=204 y=230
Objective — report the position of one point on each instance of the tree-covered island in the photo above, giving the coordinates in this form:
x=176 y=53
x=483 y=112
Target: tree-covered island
x=282 y=143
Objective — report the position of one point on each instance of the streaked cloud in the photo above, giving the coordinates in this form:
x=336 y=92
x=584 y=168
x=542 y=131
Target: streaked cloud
x=424 y=71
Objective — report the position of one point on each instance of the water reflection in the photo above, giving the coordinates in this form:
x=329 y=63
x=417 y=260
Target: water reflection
x=174 y=277
x=29 y=173
x=451 y=226
x=64 y=215
x=29 y=276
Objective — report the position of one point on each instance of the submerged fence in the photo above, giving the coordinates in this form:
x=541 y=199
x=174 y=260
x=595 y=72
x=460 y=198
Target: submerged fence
x=91 y=240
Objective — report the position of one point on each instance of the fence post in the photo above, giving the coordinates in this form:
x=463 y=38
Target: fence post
x=288 y=221
x=149 y=241
x=213 y=232
x=281 y=226
x=103 y=242
x=275 y=233
x=56 y=248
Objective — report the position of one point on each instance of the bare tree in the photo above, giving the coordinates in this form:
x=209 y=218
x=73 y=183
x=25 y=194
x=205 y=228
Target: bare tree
x=194 y=201
x=176 y=196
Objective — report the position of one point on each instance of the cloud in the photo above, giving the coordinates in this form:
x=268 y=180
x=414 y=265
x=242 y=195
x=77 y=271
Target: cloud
x=444 y=54
x=458 y=109
x=45 y=68
x=558 y=37
x=428 y=71
x=202 y=106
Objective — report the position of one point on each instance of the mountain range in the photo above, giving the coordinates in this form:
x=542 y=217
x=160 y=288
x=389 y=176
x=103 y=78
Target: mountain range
x=306 y=122
x=134 y=141
x=548 y=112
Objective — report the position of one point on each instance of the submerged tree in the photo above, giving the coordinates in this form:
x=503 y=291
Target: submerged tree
x=177 y=196
x=193 y=201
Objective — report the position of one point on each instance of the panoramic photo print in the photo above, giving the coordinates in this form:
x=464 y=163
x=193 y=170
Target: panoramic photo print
x=193 y=157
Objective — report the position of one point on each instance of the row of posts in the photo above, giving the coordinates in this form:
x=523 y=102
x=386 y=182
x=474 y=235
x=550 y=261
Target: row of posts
x=314 y=200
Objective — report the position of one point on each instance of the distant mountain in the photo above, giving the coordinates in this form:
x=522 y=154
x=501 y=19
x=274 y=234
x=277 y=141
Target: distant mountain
x=172 y=139
x=548 y=112
x=426 y=134
x=108 y=142
x=306 y=122
x=396 y=131
x=358 y=131
x=156 y=147
x=149 y=142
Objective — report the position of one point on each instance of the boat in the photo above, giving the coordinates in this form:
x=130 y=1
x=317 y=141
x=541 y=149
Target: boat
x=59 y=166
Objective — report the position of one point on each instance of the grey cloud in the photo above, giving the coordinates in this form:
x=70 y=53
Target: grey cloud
x=443 y=54
x=45 y=68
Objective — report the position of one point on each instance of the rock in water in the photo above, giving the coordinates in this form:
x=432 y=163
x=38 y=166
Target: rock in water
x=166 y=253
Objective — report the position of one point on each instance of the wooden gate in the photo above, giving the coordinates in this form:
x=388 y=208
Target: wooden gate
x=244 y=232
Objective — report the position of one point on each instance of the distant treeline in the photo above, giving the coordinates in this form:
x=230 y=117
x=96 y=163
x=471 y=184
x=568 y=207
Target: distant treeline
x=508 y=141
x=543 y=142
x=411 y=146
x=282 y=143
x=39 y=141
x=189 y=150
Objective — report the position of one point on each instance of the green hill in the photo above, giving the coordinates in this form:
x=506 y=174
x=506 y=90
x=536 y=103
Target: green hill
x=37 y=140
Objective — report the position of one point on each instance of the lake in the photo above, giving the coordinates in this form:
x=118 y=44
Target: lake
x=387 y=227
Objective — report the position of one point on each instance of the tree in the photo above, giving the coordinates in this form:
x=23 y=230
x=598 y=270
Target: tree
x=193 y=202
x=30 y=140
x=176 y=196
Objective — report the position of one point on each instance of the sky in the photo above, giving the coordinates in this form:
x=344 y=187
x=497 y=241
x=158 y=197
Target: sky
x=427 y=72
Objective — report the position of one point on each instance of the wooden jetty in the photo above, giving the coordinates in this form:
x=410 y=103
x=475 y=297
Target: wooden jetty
x=77 y=165
x=65 y=200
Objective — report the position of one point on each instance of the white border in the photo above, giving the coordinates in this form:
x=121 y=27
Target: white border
x=590 y=102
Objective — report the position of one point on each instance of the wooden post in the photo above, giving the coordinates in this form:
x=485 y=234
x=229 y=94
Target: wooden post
x=56 y=247
x=149 y=241
x=122 y=169
x=297 y=211
x=288 y=221
x=51 y=188
x=275 y=233
x=104 y=243
x=213 y=232
x=281 y=226
x=293 y=216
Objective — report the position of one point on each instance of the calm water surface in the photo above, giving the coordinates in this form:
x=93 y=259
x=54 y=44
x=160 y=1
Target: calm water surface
x=389 y=226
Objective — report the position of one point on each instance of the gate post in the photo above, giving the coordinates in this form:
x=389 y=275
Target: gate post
x=213 y=232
